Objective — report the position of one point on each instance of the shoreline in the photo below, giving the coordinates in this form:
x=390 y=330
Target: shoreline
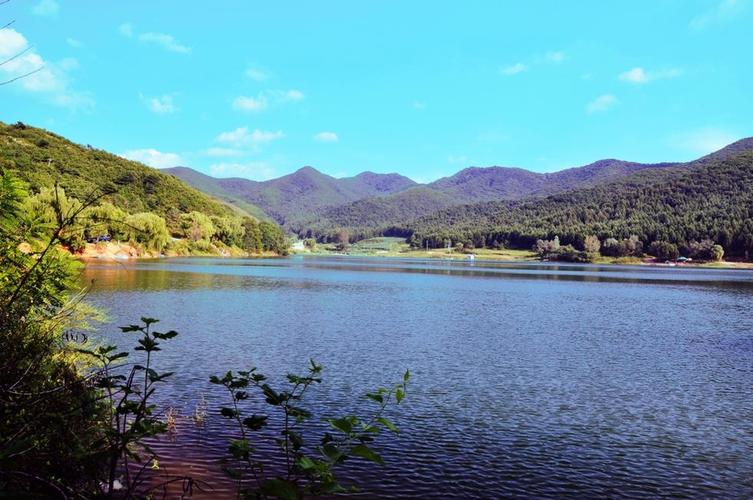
x=529 y=257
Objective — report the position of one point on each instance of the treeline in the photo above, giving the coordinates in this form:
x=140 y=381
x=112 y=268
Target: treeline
x=592 y=248
x=713 y=201
x=151 y=210
x=194 y=232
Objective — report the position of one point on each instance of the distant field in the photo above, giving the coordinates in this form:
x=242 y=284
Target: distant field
x=397 y=247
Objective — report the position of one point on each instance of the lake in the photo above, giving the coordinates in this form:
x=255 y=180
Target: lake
x=528 y=379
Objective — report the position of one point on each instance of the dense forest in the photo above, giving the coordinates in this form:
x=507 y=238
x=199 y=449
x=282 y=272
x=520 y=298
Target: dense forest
x=712 y=200
x=125 y=200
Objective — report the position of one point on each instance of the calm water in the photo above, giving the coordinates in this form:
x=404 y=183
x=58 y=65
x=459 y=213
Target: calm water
x=528 y=380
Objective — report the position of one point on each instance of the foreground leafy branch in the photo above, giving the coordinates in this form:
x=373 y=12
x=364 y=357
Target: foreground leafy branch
x=307 y=470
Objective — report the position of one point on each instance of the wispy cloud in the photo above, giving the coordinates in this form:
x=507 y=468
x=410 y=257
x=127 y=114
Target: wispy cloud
x=263 y=99
x=162 y=40
x=551 y=57
x=255 y=170
x=46 y=8
x=419 y=105
x=253 y=104
x=326 y=137
x=723 y=11
x=556 y=56
x=162 y=105
x=242 y=137
x=256 y=74
x=601 y=103
x=641 y=76
x=34 y=74
x=457 y=159
x=513 y=69
x=153 y=158
x=76 y=44
x=703 y=141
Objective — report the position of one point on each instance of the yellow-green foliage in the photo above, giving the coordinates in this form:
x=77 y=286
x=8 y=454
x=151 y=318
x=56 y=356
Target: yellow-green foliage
x=41 y=158
x=148 y=229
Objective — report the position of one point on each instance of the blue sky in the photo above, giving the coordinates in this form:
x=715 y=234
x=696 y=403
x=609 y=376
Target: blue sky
x=259 y=89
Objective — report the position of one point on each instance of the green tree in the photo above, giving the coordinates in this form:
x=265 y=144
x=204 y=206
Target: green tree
x=148 y=229
x=196 y=226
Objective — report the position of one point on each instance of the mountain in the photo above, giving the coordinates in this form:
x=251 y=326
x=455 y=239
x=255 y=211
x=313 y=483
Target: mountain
x=41 y=158
x=710 y=198
x=368 y=217
x=298 y=194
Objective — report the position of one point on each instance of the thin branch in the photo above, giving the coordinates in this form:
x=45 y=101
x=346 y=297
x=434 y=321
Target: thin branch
x=27 y=49
x=22 y=76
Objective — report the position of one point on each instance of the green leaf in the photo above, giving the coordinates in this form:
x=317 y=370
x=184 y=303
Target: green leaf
x=255 y=422
x=149 y=321
x=239 y=448
x=130 y=328
x=306 y=463
x=399 y=395
x=376 y=397
x=344 y=424
x=364 y=451
x=280 y=488
x=228 y=412
x=406 y=376
x=388 y=425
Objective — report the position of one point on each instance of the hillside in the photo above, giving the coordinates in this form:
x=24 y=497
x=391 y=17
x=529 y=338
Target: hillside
x=367 y=217
x=298 y=194
x=41 y=158
x=710 y=198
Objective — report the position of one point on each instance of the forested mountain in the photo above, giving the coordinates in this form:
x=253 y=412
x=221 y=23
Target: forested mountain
x=41 y=158
x=141 y=205
x=298 y=194
x=370 y=217
x=711 y=198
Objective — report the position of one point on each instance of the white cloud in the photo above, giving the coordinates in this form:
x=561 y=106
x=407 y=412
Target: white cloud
x=326 y=137
x=255 y=170
x=556 y=56
x=153 y=158
x=601 y=103
x=242 y=137
x=514 y=69
x=291 y=95
x=640 y=76
x=161 y=105
x=76 y=44
x=167 y=42
x=458 y=160
x=253 y=104
x=46 y=8
x=635 y=75
x=724 y=10
x=163 y=40
x=419 y=105
x=265 y=98
x=703 y=141
x=257 y=74
x=36 y=75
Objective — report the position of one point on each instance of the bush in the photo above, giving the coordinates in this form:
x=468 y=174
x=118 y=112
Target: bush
x=663 y=250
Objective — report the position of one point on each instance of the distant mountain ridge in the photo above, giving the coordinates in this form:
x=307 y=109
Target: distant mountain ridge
x=309 y=202
x=296 y=195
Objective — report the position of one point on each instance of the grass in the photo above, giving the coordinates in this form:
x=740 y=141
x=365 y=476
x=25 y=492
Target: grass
x=397 y=247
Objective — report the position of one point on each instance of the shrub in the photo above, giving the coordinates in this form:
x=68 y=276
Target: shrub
x=663 y=250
